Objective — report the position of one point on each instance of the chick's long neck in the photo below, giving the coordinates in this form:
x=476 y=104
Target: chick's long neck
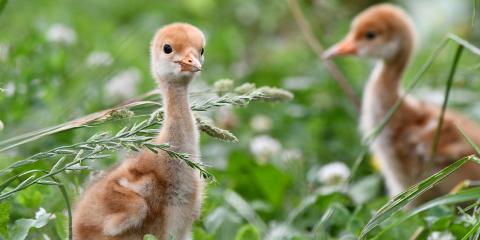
x=383 y=88
x=178 y=128
x=385 y=79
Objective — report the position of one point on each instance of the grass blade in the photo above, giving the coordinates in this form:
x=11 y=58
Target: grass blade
x=411 y=193
x=464 y=43
x=462 y=196
x=469 y=140
x=244 y=209
x=451 y=74
x=471 y=231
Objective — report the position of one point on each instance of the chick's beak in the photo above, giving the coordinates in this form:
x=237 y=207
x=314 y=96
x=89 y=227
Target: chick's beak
x=190 y=64
x=345 y=47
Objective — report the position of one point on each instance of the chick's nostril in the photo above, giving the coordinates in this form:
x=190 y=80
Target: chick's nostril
x=190 y=60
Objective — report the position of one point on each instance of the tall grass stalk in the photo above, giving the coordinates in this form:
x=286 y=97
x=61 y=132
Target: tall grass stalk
x=436 y=139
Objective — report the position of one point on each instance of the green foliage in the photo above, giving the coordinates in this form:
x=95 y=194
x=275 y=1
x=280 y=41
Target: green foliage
x=149 y=237
x=258 y=194
x=4 y=218
x=21 y=227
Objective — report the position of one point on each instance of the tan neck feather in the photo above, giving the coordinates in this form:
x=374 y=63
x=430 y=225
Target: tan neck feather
x=178 y=127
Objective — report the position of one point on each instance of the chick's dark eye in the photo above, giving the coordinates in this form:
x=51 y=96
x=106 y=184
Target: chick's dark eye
x=201 y=51
x=167 y=49
x=370 y=35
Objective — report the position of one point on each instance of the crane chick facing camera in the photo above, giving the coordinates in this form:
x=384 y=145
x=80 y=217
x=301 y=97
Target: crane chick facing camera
x=153 y=193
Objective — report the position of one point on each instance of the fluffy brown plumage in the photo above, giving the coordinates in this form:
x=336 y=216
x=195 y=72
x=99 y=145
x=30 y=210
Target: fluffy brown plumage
x=154 y=193
x=385 y=32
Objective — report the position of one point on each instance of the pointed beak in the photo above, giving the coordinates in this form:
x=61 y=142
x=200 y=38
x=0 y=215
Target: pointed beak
x=345 y=47
x=190 y=64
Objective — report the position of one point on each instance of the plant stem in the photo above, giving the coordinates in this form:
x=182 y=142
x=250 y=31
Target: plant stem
x=67 y=203
x=315 y=45
x=451 y=74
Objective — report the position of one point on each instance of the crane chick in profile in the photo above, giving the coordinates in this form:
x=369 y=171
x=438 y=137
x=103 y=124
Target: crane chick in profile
x=386 y=33
x=154 y=193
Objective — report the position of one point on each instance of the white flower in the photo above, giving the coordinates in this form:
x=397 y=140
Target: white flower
x=263 y=147
x=95 y=59
x=59 y=33
x=124 y=84
x=333 y=173
x=4 y=52
x=2 y=126
x=261 y=123
x=9 y=89
x=40 y=213
x=445 y=235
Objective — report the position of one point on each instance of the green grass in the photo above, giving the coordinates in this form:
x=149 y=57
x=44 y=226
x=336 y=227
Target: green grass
x=46 y=158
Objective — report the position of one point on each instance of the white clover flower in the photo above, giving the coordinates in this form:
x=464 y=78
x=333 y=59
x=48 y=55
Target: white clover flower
x=9 y=89
x=4 y=52
x=2 y=126
x=40 y=213
x=61 y=34
x=261 y=123
x=124 y=84
x=445 y=235
x=333 y=173
x=99 y=58
x=264 y=146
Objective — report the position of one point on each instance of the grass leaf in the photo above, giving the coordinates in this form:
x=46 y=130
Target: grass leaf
x=410 y=194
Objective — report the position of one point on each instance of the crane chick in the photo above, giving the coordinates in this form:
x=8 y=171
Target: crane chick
x=386 y=33
x=154 y=193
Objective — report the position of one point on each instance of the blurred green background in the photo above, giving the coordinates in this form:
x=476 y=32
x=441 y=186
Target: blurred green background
x=62 y=59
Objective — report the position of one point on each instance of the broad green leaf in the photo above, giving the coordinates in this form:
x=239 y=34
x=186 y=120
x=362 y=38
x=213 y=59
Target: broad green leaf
x=221 y=217
x=4 y=218
x=149 y=237
x=200 y=234
x=61 y=225
x=247 y=232
x=365 y=189
x=272 y=182
x=244 y=209
x=3 y=3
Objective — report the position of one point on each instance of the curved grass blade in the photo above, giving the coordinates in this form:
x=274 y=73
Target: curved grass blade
x=475 y=50
x=410 y=194
x=244 y=209
x=459 y=197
